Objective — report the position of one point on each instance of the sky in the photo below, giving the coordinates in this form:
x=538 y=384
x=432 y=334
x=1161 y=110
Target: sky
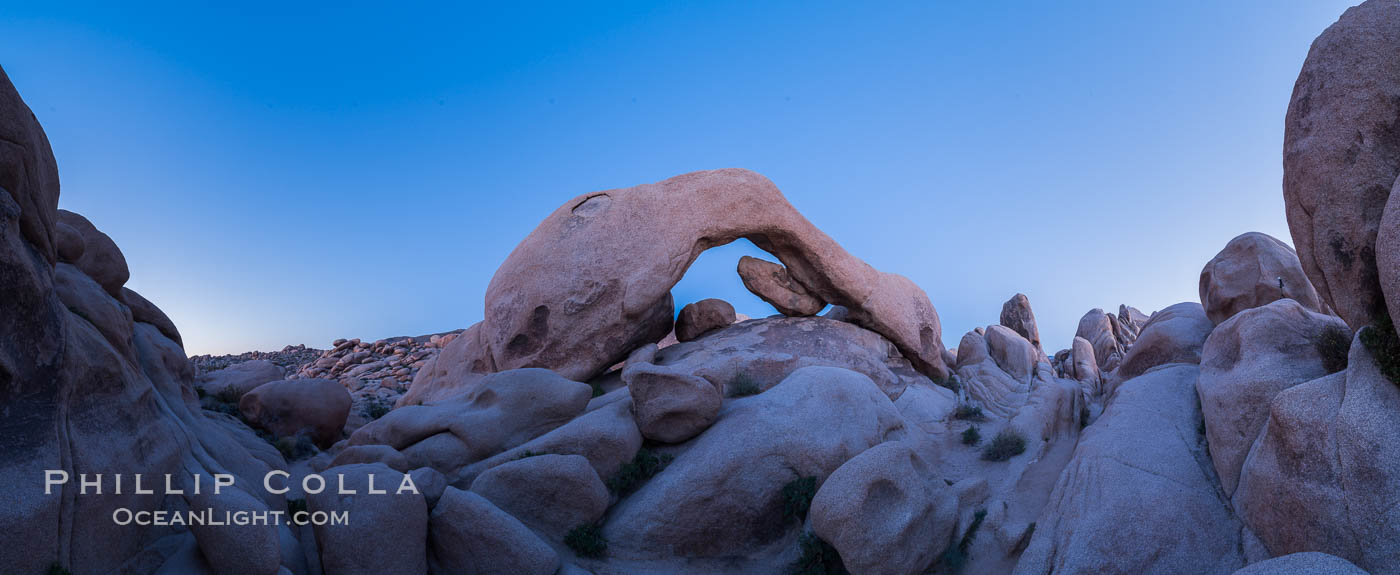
x=282 y=174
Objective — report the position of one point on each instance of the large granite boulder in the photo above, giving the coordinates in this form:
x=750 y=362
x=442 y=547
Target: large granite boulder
x=79 y=400
x=230 y=383
x=1253 y=270
x=551 y=493
x=1016 y=314
x=28 y=173
x=316 y=408
x=723 y=495
x=1251 y=357
x=1139 y=494
x=101 y=260
x=1325 y=473
x=884 y=511
x=701 y=317
x=1341 y=156
x=1305 y=563
x=772 y=283
x=1096 y=327
x=763 y=352
x=671 y=405
x=471 y=536
x=500 y=411
x=1173 y=335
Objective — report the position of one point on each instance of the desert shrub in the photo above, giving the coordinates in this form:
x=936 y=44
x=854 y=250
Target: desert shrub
x=972 y=436
x=1380 y=339
x=528 y=454
x=1084 y=416
x=1007 y=444
x=743 y=386
x=817 y=557
x=1332 y=346
x=633 y=474
x=797 y=497
x=228 y=395
x=597 y=389
x=377 y=408
x=969 y=412
x=57 y=568
x=953 y=383
x=955 y=557
x=587 y=540
x=295 y=446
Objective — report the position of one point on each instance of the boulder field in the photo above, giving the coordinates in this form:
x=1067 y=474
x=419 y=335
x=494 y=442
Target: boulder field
x=585 y=425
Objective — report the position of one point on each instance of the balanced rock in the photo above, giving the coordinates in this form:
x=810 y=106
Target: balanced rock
x=1253 y=270
x=882 y=509
x=671 y=404
x=316 y=408
x=1250 y=358
x=1341 y=157
x=701 y=317
x=771 y=283
x=1016 y=314
x=551 y=493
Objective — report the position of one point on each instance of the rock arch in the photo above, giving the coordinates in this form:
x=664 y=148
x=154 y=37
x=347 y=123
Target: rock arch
x=593 y=281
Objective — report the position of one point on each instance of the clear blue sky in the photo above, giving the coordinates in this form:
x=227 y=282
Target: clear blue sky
x=281 y=174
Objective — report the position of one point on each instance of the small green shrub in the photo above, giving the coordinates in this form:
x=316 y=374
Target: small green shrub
x=1333 y=346
x=817 y=557
x=1004 y=446
x=1383 y=343
x=953 y=383
x=528 y=454
x=743 y=386
x=797 y=497
x=377 y=408
x=955 y=557
x=587 y=541
x=597 y=389
x=633 y=474
x=969 y=412
x=57 y=568
x=971 y=436
x=295 y=447
x=228 y=395
x=295 y=505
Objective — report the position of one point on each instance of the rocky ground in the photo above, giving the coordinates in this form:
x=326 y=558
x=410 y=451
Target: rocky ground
x=584 y=425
